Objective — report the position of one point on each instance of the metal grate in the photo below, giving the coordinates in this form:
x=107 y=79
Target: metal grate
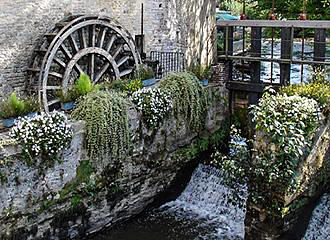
x=168 y=62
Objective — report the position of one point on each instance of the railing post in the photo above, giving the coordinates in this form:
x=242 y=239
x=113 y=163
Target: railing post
x=286 y=51
x=319 y=46
x=229 y=50
x=255 y=65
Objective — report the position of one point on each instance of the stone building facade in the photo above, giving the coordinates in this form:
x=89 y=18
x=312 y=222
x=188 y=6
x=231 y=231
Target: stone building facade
x=187 y=26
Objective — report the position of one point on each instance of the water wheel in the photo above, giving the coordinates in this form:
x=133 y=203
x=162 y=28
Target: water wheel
x=95 y=45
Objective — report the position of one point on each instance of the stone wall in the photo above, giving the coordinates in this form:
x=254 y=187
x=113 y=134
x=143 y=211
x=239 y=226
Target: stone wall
x=170 y=25
x=78 y=197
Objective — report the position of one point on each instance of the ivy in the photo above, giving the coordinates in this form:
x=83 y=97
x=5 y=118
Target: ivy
x=190 y=99
x=105 y=115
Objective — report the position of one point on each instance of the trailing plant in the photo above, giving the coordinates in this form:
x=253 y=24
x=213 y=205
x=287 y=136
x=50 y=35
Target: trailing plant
x=154 y=103
x=105 y=116
x=318 y=90
x=190 y=100
x=202 y=72
x=144 y=72
x=45 y=135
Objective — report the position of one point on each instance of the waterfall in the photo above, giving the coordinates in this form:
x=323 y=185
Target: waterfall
x=207 y=200
x=319 y=225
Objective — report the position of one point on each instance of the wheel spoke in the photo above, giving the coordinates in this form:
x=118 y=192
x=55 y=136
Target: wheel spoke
x=60 y=62
x=53 y=102
x=82 y=38
x=122 y=61
x=126 y=72
x=101 y=42
x=53 y=88
x=110 y=43
x=117 y=51
x=73 y=44
x=66 y=51
x=101 y=72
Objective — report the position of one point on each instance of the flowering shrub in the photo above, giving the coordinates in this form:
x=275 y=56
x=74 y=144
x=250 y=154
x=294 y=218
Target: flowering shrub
x=290 y=121
x=43 y=135
x=317 y=90
x=154 y=104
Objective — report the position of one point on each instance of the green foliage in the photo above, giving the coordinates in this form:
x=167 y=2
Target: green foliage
x=318 y=90
x=105 y=116
x=14 y=107
x=200 y=71
x=144 y=72
x=190 y=99
x=316 y=10
x=290 y=121
x=84 y=84
x=133 y=86
x=70 y=96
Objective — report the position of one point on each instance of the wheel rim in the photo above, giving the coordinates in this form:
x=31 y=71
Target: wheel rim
x=97 y=46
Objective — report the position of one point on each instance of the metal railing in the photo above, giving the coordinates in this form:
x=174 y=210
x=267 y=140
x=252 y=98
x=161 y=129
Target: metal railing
x=168 y=62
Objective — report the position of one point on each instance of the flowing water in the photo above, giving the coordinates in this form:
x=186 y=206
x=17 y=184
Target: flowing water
x=204 y=210
x=296 y=69
x=319 y=225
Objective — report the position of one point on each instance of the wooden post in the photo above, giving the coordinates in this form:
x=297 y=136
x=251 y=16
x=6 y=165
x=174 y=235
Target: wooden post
x=255 y=65
x=229 y=50
x=286 y=51
x=319 y=46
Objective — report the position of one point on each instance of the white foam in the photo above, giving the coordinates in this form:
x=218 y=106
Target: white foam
x=207 y=199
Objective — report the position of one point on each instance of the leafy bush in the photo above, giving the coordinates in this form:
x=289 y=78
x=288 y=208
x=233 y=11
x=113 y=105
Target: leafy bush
x=190 y=100
x=144 y=72
x=14 y=107
x=317 y=90
x=154 y=104
x=202 y=72
x=105 y=116
x=45 y=135
x=133 y=86
x=84 y=84
x=290 y=121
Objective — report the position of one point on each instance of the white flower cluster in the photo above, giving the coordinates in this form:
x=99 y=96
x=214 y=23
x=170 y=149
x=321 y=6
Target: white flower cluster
x=44 y=134
x=154 y=104
x=290 y=120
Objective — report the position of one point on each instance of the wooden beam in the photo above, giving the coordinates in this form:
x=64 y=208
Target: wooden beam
x=275 y=23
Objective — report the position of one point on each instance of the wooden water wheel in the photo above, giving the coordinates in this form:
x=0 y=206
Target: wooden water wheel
x=95 y=45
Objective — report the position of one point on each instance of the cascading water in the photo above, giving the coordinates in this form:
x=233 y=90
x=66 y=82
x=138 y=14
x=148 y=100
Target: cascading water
x=207 y=200
x=319 y=225
x=205 y=210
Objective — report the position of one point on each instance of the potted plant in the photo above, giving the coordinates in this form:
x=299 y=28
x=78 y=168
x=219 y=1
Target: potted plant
x=10 y=109
x=202 y=72
x=146 y=74
x=68 y=99
x=32 y=106
x=82 y=87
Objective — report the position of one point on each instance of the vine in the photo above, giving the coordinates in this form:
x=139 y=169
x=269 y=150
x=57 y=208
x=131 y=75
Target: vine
x=105 y=115
x=190 y=99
